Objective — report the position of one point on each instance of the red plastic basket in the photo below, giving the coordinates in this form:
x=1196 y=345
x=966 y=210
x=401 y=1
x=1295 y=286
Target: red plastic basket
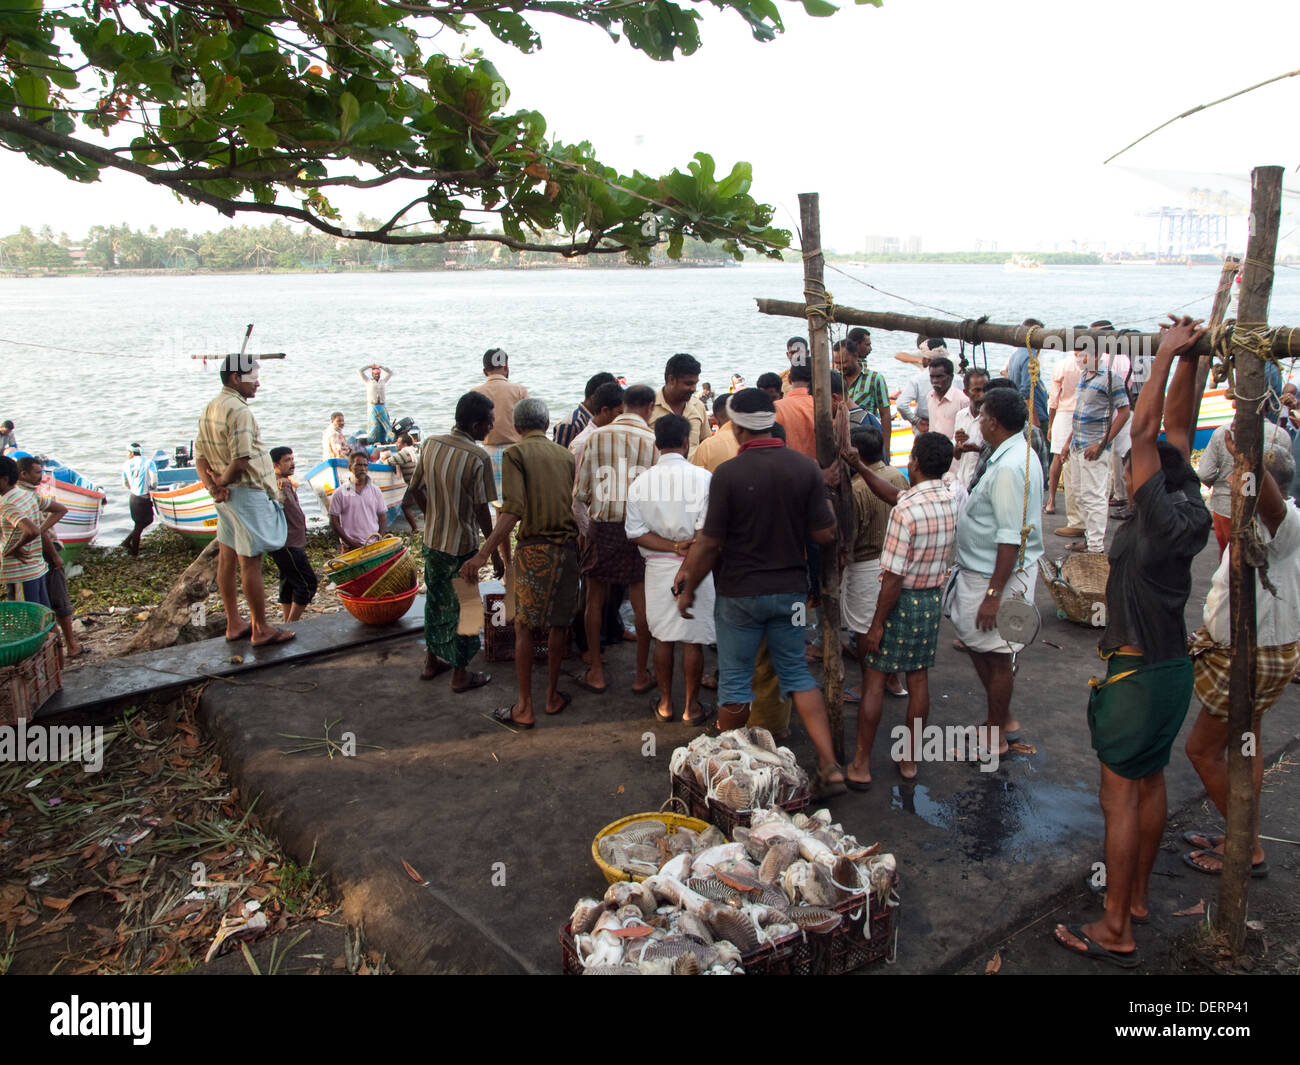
x=358 y=585
x=382 y=611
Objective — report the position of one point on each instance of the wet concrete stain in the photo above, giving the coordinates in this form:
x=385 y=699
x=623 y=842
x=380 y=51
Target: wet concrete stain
x=1013 y=815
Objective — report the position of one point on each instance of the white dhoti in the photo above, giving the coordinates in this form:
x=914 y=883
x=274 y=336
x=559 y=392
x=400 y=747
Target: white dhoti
x=961 y=603
x=859 y=592
x=666 y=623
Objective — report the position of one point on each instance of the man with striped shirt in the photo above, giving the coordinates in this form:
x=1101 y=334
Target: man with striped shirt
x=457 y=474
x=22 y=566
x=614 y=457
x=1101 y=409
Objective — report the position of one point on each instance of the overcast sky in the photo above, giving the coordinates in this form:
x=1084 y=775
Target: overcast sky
x=952 y=120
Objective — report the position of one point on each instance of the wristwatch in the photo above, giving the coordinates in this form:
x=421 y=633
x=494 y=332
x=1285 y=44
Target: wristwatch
x=992 y=593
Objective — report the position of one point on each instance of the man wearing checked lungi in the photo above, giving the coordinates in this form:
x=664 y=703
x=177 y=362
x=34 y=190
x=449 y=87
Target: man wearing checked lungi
x=919 y=543
x=536 y=495
x=237 y=471
x=1134 y=714
x=1277 y=623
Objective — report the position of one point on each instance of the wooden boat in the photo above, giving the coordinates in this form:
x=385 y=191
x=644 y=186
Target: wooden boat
x=326 y=476
x=188 y=510
x=85 y=504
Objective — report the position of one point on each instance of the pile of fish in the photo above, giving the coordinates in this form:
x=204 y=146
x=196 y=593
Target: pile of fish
x=704 y=911
x=743 y=769
x=642 y=847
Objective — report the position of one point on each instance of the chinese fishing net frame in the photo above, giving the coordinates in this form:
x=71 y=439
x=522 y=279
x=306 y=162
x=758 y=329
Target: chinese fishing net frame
x=672 y=821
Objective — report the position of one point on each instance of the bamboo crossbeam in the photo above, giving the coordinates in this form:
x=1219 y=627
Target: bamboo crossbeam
x=255 y=357
x=1286 y=339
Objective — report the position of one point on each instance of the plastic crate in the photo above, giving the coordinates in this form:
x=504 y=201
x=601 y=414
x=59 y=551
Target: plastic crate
x=846 y=947
x=771 y=959
x=716 y=813
x=28 y=686
x=499 y=639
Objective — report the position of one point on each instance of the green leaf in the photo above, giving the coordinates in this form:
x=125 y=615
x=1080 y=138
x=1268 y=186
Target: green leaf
x=258 y=135
x=819 y=8
x=250 y=107
x=402 y=44
x=34 y=92
x=216 y=46
x=349 y=110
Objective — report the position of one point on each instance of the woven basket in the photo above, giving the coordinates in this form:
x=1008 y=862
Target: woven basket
x=354 y=563
x=23 y=627
x=397 y=578
x=1078 y=587
x=379 y=611
x=358 y=586
x=674 y=821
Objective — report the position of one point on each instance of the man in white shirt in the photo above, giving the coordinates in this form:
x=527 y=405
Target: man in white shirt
x=139 y=476
x=376 y=379
x=1277 y=619
x=967 y=439
x=333 y=444
x=666 y=507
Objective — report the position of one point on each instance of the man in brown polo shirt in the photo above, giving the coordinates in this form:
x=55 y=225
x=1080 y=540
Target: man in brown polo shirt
x=681 y=375
x=537 y=495
x=504 y=394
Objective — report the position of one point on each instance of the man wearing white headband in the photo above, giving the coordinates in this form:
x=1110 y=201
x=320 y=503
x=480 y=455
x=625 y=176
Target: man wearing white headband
x=763 y=505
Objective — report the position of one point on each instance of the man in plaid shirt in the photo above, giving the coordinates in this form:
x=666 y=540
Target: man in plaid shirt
x=914 y=563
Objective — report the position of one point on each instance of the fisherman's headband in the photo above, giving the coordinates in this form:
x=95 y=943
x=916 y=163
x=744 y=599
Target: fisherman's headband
x=759 y=421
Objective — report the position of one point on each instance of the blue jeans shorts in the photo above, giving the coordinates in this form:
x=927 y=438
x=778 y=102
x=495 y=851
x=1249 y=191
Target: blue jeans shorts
x=742 y=622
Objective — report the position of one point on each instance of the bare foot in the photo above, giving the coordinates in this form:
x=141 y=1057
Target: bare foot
x=907 y=770
x=277 y=636
x=238 y=633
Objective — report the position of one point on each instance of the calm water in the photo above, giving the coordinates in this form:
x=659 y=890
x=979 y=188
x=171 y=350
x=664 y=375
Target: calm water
x=131 y=376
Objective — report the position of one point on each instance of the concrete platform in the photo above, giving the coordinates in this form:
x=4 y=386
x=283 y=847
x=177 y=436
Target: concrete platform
x=94 y=687
x=500 y=824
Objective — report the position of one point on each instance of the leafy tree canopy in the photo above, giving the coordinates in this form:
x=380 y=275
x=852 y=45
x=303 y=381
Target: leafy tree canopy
x=264 y=106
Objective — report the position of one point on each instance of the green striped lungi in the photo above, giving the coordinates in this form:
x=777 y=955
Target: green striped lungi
x=442 y=610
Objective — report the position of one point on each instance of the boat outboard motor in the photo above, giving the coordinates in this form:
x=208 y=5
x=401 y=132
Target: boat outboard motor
x=183 y=457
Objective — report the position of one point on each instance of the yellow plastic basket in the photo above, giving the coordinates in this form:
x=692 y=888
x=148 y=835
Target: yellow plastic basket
x=399 y=577
x=673 y=821
x=359 y=560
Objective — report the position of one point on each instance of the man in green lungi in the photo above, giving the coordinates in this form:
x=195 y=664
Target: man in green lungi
x=457 y=474
x=1136 y=712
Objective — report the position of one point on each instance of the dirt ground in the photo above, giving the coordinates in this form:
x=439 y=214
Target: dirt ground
x=135 y=868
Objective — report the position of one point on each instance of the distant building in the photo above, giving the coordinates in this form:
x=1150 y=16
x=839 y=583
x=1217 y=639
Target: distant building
x=913 y=245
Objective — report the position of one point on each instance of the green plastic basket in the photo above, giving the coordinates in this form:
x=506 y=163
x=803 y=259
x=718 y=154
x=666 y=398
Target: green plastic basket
x=23 y=628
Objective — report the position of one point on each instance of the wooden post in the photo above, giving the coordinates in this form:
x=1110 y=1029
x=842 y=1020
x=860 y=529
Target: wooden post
x=1248 y=433
x=1219 y=309
x=814 y=290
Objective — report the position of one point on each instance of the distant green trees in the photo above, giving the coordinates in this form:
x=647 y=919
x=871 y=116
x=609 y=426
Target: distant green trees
x=277 y=246
x=34 y=251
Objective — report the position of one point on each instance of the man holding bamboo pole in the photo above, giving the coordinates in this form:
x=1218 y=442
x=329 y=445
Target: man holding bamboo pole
x=1135 y=713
